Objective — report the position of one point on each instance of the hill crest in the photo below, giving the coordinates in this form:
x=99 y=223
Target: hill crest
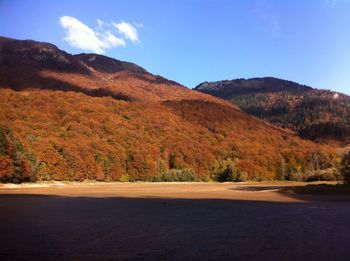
x=319 y=115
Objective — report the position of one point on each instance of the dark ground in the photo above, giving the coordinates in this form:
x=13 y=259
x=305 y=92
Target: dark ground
x=72 y=224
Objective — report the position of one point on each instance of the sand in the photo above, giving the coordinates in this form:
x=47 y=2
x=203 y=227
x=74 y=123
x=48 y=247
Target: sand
x=171 y=221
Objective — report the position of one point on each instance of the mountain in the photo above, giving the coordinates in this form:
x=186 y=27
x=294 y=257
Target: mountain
x=319 y=115
x=35 y=65
x=87 y=116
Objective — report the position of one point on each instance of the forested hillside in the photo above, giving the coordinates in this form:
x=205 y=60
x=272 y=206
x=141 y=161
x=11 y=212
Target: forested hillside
x=66 y=117
x=319 y=115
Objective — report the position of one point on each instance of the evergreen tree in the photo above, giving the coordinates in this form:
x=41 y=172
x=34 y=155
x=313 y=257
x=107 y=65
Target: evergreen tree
x=345 y=168
x=3 y=142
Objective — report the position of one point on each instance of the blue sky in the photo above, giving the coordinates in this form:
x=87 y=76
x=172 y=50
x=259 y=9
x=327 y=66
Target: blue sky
x=191 y=41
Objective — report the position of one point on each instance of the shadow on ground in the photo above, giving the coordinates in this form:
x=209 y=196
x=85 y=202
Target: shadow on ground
x=311 y=193
x=86 y=228
x=319 y=192
x=258 y=188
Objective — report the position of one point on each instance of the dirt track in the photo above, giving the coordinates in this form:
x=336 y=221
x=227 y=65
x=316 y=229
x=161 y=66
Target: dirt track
x=155 y=221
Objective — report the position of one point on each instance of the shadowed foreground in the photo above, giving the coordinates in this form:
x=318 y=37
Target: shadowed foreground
x=69 y=222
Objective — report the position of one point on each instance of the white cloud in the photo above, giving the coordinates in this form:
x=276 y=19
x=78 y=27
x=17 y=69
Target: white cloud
x=83 y=37
x=113 y=40
x=128 y=31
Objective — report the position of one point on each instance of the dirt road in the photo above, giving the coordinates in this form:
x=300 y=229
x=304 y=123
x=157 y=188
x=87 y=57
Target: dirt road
x=162 y=221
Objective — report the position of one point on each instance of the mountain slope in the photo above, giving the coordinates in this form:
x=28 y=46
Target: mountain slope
x=35 y=65
x=75 y=117
x=319 y=115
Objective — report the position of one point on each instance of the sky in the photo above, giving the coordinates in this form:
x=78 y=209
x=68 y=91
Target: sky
x=192 y=41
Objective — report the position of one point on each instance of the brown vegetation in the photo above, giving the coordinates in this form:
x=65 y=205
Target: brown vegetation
x=72 y=136
x=69 y=121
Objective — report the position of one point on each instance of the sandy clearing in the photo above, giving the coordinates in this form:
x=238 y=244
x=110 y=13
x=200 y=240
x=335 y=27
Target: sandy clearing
x=261 y=191
x=170 y=221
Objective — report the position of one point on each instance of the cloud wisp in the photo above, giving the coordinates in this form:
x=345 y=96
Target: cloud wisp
x=83 y=37
x=128 y=31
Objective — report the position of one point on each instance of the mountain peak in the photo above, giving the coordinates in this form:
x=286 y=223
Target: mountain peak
x=108 y=65
x=38 y=56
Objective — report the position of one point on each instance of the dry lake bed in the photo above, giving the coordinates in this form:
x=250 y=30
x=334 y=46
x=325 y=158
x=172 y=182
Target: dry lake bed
x=171 y=221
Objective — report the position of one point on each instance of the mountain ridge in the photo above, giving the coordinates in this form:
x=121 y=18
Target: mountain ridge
x=61 y=119
x=29 y=64
x=262 y=84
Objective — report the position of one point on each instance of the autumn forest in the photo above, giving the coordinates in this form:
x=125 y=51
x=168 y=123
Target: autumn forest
x=90 y=117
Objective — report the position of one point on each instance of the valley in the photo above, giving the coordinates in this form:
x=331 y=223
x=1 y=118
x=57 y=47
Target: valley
x=174 y=130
